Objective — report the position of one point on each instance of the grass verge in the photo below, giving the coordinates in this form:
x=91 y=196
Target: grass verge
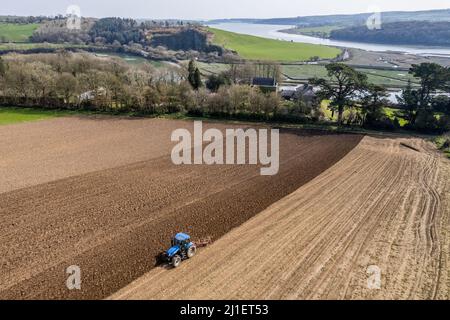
x=11 y=115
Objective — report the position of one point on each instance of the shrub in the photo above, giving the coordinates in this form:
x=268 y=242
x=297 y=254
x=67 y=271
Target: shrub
x=214 y=82
x=382 y=123
x=426 y=121
x=444 y=123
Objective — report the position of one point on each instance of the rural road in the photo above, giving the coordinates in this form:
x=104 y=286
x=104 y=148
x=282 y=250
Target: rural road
x=383 y=205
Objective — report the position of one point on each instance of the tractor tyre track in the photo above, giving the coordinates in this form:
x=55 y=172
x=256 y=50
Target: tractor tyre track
x=383 y=205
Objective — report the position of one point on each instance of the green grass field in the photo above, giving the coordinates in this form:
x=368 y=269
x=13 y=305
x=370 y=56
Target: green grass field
x=10 y=32
x=134 y=60
x=212 y=68
x=17 y=115
x=256 y=48
x=304 y=72
x=389 y=78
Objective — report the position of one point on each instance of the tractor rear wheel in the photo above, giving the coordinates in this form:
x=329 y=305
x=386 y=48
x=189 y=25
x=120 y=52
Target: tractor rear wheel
x=191 y=251
x=176 y=261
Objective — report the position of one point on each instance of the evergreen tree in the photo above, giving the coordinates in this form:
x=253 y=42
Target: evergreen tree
x=340 y=88
x=197 y=79
x=409 y=101
x=194 y=76
x=2 y=67
x=191 y=73
x=432 y=77
x=372 y=104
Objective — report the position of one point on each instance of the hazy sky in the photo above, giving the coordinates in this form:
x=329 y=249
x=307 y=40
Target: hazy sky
x=212 y=9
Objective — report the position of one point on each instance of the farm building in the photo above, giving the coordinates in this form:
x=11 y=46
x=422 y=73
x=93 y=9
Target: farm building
x=265 y=84
x=303 y=92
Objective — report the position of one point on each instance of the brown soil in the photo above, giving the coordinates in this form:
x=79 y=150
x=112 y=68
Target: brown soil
x=112 y=223
x=38 y=152
x=384 y=204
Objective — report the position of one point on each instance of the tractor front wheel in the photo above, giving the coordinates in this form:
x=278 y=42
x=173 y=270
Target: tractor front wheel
x=176 y=261
x=192 y=251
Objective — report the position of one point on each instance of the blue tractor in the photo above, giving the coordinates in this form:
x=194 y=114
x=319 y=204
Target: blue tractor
x=182 y=249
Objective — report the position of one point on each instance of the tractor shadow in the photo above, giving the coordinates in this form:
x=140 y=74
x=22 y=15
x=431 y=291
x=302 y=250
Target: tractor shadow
x=160 y=261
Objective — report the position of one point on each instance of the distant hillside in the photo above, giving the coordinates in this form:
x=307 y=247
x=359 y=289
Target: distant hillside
x=350 y=19
x=243 y=20
x=406 y=33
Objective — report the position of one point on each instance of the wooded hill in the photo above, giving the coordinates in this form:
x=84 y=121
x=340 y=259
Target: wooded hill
x=407 y=33
x=350 y=19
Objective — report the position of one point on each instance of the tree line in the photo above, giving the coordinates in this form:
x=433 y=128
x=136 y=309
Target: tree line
x=82 y=81
x=102 y=31
x=118 y=30
x=28 y=19
x=407 y=32
x=169 y=41
x=114 y=31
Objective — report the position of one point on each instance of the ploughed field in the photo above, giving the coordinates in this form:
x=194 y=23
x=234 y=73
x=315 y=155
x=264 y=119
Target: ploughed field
x=376 y=225
x=102 y=193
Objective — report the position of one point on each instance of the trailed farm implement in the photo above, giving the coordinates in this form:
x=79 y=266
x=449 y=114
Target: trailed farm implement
x=183 y=248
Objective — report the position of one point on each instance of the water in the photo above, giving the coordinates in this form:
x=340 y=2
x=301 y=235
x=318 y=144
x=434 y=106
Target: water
x=272 y=32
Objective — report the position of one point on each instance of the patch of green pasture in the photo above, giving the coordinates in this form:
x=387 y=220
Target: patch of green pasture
x=14 y=32
x=133 y=59
x=391 y=114
x=305 y=71
x=212 y=68
x=18 y=115
x=387 y=78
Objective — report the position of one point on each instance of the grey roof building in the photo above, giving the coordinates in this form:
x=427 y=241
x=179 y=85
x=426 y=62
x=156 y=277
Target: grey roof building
x=265 y=84
x=303 y=92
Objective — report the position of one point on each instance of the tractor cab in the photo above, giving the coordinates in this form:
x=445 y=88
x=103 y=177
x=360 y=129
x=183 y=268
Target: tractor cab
x=182 y=248
x=181 y=240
